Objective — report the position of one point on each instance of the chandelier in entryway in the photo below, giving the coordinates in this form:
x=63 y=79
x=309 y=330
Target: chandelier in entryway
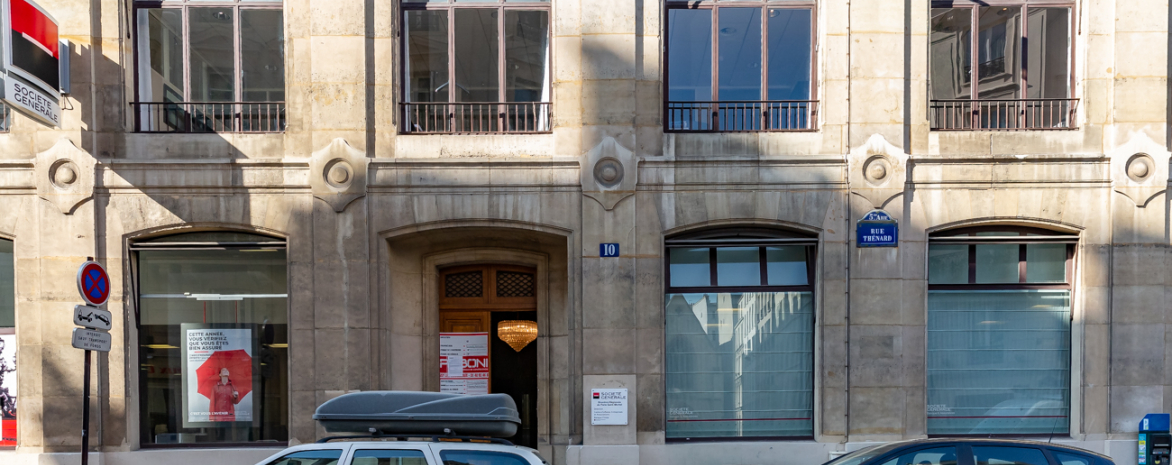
x=517 y=333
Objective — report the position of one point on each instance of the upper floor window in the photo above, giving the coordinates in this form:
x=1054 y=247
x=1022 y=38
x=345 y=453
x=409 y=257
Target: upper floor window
x=210 y=66
x=736 y=65
x=1013 y=73
x=475 y=67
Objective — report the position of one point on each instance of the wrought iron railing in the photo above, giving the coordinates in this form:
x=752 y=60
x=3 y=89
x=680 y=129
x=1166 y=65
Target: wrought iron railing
x=476 y=118
x=742 y=116
x=1003 y=114
x=195 y=117
x=5 y=117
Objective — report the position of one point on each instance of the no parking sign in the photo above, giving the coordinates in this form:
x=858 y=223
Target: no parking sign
x=93 y=283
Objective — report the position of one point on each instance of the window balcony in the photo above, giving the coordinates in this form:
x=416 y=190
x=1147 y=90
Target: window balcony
x=207 y=117
x=742 y=116
x=476 y=118
x=1004 y=114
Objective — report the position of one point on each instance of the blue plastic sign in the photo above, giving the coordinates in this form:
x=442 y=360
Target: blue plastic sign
x=1155 y=422
x=608 y=249
x=877 y=229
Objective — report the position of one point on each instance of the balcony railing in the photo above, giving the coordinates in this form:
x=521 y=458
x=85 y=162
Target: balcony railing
x=1003 y=114
x=476 y=118
x=200 y=117
x=742 y=116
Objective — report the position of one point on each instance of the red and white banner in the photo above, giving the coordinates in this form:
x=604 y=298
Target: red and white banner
x=32 y=53
x=35 y=43
x=464 y=363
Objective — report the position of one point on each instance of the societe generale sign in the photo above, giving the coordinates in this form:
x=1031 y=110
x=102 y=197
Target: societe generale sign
x=32 y=60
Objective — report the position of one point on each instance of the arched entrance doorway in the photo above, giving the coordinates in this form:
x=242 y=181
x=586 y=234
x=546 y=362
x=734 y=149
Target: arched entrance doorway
x=488 y=330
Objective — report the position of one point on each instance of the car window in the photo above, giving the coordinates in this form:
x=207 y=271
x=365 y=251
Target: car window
x=1072 y=459
x=388 y=457
x=984 y=455
x=933 y=456
x=311 y=457
x=480 y=457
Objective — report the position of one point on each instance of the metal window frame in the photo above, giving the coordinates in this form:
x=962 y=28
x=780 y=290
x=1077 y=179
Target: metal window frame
x=811 y=247
x=184 y=6
x=134 y=248
x=1041 y=236
x=1022 y=38
x=764 y=6
x=967 y=237
x=501 y=6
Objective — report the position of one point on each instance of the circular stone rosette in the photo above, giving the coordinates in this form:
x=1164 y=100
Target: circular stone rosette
x=64 y=174
x=608 y=172
x=338 y=174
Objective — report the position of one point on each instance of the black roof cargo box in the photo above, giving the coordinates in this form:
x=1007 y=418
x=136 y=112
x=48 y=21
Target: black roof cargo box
x=425 y=413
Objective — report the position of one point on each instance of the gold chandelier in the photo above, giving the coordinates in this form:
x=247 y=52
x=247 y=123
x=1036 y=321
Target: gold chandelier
x=517 y=333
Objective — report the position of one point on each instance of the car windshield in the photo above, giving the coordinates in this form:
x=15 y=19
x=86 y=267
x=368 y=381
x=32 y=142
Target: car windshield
x=857 y=457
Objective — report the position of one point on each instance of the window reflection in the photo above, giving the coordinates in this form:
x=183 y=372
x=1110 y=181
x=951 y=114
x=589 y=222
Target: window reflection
x=1021 y=67
x=762 y=69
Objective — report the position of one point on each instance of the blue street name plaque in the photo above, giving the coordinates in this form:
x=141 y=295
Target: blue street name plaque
x=877 y=229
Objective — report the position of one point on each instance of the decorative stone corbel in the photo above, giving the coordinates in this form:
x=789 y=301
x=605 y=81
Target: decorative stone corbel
x=608 y=173
x=1139 y=169
x=337 y=174
x=65 y=176
x=878 y=171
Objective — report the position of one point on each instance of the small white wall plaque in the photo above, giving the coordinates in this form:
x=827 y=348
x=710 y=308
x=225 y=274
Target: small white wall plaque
x=608 y=407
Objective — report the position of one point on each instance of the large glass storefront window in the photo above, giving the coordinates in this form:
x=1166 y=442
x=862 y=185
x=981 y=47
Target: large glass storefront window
x=999 y=332
x=740 y=337
x=7 y=346
x=213 y=339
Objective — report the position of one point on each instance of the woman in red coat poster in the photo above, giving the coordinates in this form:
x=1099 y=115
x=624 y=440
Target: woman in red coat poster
x=224 y=399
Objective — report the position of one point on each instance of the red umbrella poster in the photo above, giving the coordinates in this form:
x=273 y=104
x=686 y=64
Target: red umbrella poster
x=239 y=366
x=217 y=375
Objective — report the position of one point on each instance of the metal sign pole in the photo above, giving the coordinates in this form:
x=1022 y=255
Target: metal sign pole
x=85 y=414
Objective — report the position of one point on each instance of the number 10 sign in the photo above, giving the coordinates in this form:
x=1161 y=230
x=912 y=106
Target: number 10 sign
x=608 y=249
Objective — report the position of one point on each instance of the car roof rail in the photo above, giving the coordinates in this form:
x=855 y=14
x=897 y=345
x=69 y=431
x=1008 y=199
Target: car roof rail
x=407 y=437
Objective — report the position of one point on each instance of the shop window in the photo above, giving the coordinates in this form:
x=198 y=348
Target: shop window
x=210 y=66
x=999 y=332
x=1014 y=73
x=739 y=336
x=475 y=67
x=8 y=392
x=736 y=67
x=212 y=310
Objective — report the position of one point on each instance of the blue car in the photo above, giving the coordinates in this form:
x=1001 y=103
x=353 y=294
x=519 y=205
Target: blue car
x=955 y=451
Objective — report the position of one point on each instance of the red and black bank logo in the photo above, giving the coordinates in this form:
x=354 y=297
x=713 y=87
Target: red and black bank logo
x=595 y=395
x=34 y=43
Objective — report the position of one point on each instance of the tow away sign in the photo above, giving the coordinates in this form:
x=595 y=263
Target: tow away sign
x=91 y=317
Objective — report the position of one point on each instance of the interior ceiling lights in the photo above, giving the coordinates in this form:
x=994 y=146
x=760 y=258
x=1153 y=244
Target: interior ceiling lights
x=517 y=333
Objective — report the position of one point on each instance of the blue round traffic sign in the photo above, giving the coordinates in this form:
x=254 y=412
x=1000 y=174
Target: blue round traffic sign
x=93 y=283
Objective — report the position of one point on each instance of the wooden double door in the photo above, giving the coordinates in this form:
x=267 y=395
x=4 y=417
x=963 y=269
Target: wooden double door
x=475 y=299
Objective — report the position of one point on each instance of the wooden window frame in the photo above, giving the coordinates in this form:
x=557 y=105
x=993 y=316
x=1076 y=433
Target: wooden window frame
x=1024 y=6
x=183 y=6
x=765 y=6
x=501 y=6
x=488 y=300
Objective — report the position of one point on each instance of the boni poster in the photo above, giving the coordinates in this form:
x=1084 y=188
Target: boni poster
x=218 y=374
x=7 y=388
x=464 y=363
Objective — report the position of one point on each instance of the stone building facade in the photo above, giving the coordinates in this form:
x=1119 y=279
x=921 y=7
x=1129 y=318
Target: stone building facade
x=363 y=220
